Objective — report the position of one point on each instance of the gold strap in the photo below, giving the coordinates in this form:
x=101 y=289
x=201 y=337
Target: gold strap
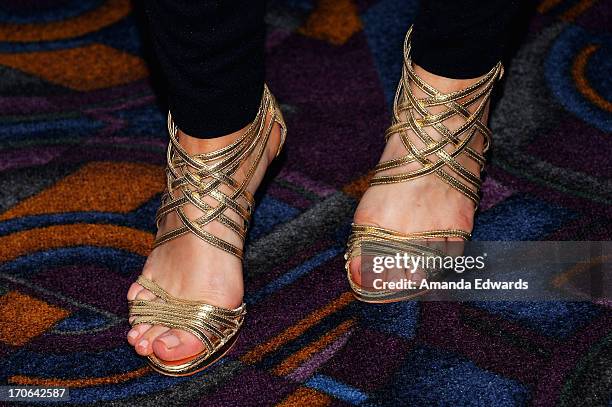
x=192 y=178
x=371 y=234
x=418 y=118
x=214 y=326
x=387 y=242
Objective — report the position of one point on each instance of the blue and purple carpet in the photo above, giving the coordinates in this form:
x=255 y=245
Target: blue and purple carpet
x=82 y=141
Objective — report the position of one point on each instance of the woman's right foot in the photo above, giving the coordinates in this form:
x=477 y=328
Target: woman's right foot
x=188 y=267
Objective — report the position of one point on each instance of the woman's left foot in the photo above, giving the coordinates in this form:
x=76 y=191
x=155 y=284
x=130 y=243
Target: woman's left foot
x=422 y=203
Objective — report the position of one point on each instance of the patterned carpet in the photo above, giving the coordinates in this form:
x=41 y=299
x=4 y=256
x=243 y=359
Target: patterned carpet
x=82 y=151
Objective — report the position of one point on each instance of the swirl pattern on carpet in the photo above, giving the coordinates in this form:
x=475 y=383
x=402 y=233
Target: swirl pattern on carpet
x=79 y=118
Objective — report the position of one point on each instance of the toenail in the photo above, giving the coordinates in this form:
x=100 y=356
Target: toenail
x=133 y=334
x=143 y=344
x=171 y=341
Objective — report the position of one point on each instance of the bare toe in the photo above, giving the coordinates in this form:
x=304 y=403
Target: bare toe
x=138 y=292
x=438 y=244
x=136 y=332
x=355 y=268
x=176 y=345
x=144 y=346
x=455 y=246
x=134 y=290
x=136 y=335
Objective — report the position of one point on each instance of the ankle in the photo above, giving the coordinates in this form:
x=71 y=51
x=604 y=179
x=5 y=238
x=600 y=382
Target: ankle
x=194 y=145
x=441 y=83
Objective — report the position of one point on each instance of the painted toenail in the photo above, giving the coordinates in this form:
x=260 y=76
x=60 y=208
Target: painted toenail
x=171 y=341
x=133 y=334
x=143 y=344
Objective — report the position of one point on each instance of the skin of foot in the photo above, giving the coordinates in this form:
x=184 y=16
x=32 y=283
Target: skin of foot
x=425 y=203
x=188 y=267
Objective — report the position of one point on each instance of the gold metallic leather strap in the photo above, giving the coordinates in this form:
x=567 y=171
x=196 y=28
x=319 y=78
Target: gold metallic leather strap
x=214 y=326
x=393 y=239
x=191 y=179
x=439 y=155
x=387 y=242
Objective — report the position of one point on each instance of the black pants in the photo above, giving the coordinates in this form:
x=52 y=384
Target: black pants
x=211 y=52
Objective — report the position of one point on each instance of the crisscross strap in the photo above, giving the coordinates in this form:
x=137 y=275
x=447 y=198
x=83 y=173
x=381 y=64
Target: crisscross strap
x=214 y=326
x=190 y=179
x=411 y=116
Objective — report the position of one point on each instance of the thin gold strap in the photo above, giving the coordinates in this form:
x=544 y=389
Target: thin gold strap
x=390 y=242
x=191 y=179
x=211 y=324
x=411 y=116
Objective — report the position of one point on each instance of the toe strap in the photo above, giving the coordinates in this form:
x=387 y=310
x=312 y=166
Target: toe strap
x=214 y=326
x=386 y=242
x=392 y=240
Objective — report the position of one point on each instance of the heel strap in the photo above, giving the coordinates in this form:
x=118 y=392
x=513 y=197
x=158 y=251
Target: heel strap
x=411 y=115
x=191 y=178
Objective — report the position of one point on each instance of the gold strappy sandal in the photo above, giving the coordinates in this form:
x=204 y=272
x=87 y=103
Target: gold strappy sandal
x=189 y=180
x=433 y=159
